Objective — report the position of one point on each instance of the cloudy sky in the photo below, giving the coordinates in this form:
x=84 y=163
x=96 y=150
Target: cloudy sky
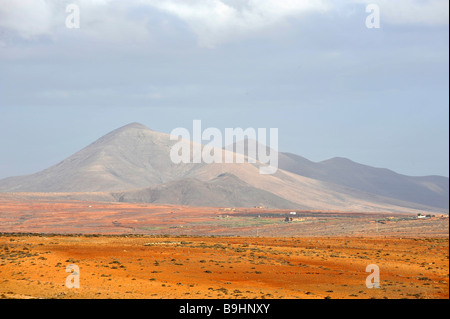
x=312 y=69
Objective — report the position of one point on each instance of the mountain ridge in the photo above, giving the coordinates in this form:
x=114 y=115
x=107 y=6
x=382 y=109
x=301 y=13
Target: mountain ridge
x=430 y=190
x=133 y=157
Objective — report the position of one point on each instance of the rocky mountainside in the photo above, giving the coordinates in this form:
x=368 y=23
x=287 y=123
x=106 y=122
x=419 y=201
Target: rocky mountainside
x=133 y=163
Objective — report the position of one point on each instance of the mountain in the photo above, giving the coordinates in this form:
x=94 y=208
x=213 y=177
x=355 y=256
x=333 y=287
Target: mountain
x=425 y=190
x=129 y=157
x=133 y=163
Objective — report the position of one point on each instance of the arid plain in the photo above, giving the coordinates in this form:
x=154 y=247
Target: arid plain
x=126 y=250
x=222 y=267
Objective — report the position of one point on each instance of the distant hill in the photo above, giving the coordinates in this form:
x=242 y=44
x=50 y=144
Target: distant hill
x=226 y=190
x=132 y=163
x=425 y=190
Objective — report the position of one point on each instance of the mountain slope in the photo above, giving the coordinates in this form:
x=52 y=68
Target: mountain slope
x=135 y=157
x=426 y=190
x=226 y=190
x=129 y=157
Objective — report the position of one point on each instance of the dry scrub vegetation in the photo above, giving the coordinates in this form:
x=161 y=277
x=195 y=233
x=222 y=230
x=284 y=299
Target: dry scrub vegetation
x=136 y=266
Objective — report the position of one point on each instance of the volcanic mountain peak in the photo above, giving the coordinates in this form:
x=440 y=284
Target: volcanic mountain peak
x=128 y=128
x=128 y=157
x=134 y=125
x=129 y=131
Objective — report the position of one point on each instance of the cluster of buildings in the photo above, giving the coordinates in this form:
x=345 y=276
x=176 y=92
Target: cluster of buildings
x=427 y=216
x=422 y=216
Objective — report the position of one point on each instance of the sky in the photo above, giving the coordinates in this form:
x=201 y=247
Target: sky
x=313 y=69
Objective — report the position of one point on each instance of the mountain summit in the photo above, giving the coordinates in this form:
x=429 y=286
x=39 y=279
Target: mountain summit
x=129 y=157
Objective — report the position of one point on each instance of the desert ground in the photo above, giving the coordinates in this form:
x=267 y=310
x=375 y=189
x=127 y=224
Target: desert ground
x=34 y=266
x=126 y=250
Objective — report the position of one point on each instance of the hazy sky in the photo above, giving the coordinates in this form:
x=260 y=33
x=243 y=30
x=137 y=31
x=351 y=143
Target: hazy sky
x=332 y=86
